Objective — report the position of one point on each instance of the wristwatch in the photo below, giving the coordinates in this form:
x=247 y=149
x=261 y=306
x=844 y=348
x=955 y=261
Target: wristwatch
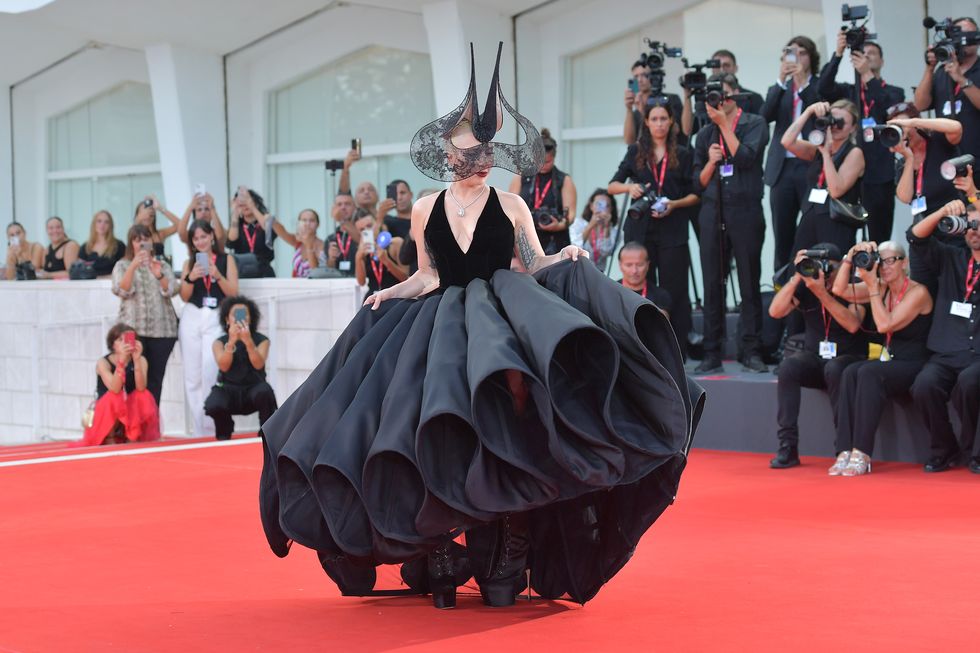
x=967 y=83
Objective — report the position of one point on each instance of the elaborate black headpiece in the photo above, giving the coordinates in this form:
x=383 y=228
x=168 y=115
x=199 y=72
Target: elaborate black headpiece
x=438 y=157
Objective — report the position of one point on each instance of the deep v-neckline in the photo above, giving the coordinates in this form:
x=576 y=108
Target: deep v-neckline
x=476 y=226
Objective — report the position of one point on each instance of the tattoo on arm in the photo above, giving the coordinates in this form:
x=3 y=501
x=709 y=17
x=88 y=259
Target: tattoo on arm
x=524 y=248
x=431 y=254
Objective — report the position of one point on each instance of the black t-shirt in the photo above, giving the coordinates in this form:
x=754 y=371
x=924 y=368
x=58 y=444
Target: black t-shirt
x=935 y=189
x=945 y=90
x=655 y=294
x=241 y=372
x=820 y=325
x=102 y=264
x=398 y=227
x=348 y=250
x=373 y=268
x=252 y=239
x=676 y=183
x=544 y=192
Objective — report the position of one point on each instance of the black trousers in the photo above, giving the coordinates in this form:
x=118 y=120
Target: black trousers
x=806 y=369
x=156 y=351
x=786 y=197
x=745 y=230
x=879 y=201
x=669 y=270
x=943 y=377
x=227 y=400
x=864 y=392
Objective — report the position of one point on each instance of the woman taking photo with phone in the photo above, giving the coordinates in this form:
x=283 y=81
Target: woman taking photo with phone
x=209 y=275
x=377 y=264
x=24 y=258
x=309 y=249
x=146 y=215
x=144 y=285
x=240 y=355
x=595 y=231
x=102 y=249
x=660 y=169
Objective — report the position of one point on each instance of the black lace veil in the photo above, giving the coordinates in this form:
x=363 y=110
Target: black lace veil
x=443 y=149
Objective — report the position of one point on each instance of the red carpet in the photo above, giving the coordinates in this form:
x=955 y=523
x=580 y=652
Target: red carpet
x=164 y=552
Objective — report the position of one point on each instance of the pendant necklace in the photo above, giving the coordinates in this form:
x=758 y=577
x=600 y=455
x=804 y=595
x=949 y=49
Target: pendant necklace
x=462 y=209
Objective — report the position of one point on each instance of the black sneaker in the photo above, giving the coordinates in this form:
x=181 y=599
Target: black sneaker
x=708 y=365
x=939 y=463
x=975 y=465
x=787 y=456
x=754 y=363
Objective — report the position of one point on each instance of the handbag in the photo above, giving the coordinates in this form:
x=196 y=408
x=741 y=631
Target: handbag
x=88 y=415
x=26 y=271
x=248 y=266
x=81 y=271
x=851 y=215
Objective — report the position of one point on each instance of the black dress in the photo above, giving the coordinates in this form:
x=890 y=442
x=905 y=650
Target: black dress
x=406 y=431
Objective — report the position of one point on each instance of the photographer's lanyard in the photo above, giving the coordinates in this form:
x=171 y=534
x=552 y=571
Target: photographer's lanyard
x=901 y=295
x=378 y=270
x=659 y=179
x=644 y=293
x=539 y=198
x=206 y=279
x=971 y=279
x=797 y=100
x=250 y=241
x=594 y=239
x=721 y=138
x=822 y=179
x=826 y=323
x=864 y=103
x=340 y=245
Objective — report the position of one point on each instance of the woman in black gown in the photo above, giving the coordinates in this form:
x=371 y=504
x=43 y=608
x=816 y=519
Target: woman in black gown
x=547 y=417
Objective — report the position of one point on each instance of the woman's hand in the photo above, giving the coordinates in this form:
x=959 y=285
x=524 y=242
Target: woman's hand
x=715 y=153
x=244 y=334
x=818 y=109
x=906 y=151
x=663 y=214
x=125 y=353
x=869 y=277
x=572 y=252
x=787 y=68
x=197 y=272
x=374 y=301
x=142 y=258
x=137 y=351
x=156 y=268
x=636 y=191
x=902 y=122
x=965 y=184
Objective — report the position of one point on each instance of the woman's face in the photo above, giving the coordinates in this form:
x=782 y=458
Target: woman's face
x=601 y=204
x=842 y=133
x=203 y=241
x=549 y=163
x=15 y=231
x=890 y=268
x=202 y=211
x=238 y=307
x=138 y=243
x=306 y=224
x=146 y=216
x=659 y=122
x=367 y=222
x=56 y=231
x=102 y=224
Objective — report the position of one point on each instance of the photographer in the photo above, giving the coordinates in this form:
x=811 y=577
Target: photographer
x=873 y=97
x=832 y=341
x=663 y=204
x=146 y=215
x=637 y=101
x=398 y=197
x=728 y=175
x=248 y=233
x=926 y=144
x=593 y=230
x=748 y=101
x=902 y=312
x=834 y=172
x=144 y=284
x=954 y=367
x=365 y=195
x=634 y=265
x=124 y=410
x=341 y=245
x=209 y=276
x=550 y=195
x=201 y=207
x=241 y=355
x=382 y=259
x=795 y=89
x=24 y=258
x=951 y=88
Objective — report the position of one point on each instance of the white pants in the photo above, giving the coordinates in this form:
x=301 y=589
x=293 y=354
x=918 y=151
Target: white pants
x=199 y=328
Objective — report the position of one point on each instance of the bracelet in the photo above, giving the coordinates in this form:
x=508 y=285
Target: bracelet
x=972 y=199
x=874 y=294
x=230 y=351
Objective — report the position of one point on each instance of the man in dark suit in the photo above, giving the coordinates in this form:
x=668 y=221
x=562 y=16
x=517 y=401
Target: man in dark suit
x=872 y=97
x=795 y=89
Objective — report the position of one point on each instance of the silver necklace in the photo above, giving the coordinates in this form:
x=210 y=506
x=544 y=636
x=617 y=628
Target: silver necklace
x=462 y=209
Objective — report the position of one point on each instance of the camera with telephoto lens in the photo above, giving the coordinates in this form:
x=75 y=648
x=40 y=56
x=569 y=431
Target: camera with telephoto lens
x=821 y=125
x=646 y=204
x=856 y=34
x=956 y=167
x=544 y=216
x=888 y=135
x=954 y=39
x=654 y=61
x=865 y=260
x=957 y=225
x=814 y=262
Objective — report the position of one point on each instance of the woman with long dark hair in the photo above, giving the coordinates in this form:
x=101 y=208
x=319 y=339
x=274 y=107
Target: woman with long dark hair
x=24 y=258
x=209 y=275
x=146 y=215
x=660 y=170
x=595 y=230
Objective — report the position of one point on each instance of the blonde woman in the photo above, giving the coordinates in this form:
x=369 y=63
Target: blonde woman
x=102 y=249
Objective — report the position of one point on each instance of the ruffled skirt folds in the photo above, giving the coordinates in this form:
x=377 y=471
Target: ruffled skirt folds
x=561 y=395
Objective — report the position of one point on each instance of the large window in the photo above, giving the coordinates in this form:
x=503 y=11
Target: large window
x=379 y=95
x=103 y=155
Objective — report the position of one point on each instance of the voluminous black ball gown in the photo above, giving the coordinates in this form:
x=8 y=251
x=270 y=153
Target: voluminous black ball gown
x=408 y=431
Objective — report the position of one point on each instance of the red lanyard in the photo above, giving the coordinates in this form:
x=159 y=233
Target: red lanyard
x=796 y=101
x=207 y=278
x=250 y=240
x=905 y=286
x=643 y=293
x=971 y=279
x=340 y=245
x=821 y=179
x=721 y=139
x=956 y=90
x=538 y=199
x=659 y=179
x=918 y=181
x=378 y=270
x=826 y=323
x=595 y=243
x=865 y=104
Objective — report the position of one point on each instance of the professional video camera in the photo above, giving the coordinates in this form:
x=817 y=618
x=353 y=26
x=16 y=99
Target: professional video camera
x=654 y=61
x=956 y=167
x=695 y=80
x=815 y=262
x=957 y=225
x=856 y=34
x=865 y=260
x=954 y=39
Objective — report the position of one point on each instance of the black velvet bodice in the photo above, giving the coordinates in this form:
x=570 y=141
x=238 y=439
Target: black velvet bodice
x=491 y=249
